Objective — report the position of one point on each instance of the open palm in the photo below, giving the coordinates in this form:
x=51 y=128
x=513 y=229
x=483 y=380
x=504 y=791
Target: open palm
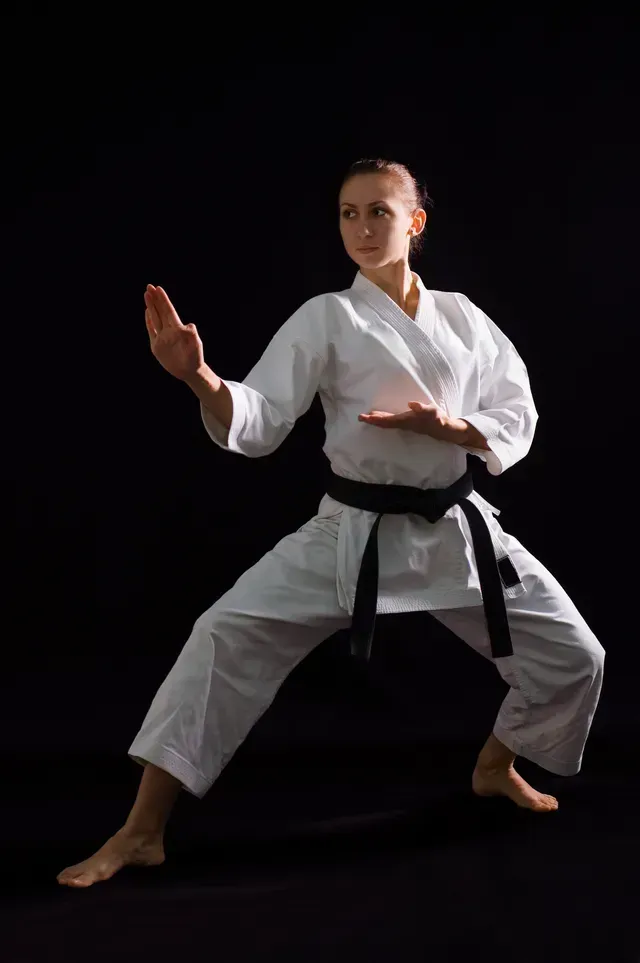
x=175 y=345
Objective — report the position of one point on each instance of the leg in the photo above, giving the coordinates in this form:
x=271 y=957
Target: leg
x=238 y=655
x=140 y=841
x=156 y=797
x=555 y=678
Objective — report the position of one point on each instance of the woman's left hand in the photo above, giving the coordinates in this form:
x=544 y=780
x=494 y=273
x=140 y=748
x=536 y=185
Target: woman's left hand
x=424 y=419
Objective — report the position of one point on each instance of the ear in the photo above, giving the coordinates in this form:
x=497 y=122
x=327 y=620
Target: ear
x=419 y=221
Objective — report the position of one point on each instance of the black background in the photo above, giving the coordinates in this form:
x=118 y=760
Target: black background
x=184 y=156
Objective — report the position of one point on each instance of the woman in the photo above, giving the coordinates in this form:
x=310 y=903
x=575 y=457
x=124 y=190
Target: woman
x=396 y=367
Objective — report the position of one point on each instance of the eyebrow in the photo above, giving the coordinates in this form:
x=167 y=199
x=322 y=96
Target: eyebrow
x=371 y=204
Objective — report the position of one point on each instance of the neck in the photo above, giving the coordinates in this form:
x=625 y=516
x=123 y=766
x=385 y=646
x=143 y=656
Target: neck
x=395 y=280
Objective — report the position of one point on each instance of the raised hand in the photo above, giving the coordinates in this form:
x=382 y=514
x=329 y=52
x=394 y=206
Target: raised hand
x=175 y=345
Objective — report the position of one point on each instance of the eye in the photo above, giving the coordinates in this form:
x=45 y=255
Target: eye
x=379 y=210
x=347 y=215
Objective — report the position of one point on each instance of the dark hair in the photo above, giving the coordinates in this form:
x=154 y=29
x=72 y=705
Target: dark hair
x=415 y=191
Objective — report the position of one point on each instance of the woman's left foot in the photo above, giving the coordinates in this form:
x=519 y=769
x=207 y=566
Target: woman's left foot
x=509 y=783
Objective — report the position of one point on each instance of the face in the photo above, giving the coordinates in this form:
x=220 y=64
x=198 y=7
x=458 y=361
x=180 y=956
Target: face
x=375 y=220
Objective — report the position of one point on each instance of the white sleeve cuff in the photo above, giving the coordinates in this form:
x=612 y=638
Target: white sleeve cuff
x=227 y=438
x=487 y=427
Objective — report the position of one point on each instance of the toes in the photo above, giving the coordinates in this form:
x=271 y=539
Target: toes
x=79 y=880
x=66 y=879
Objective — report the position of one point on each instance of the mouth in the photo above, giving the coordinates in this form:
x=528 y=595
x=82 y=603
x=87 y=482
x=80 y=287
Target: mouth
x=366 y=250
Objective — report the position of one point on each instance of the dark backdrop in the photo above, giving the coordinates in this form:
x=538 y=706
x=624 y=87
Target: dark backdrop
x=217 y=178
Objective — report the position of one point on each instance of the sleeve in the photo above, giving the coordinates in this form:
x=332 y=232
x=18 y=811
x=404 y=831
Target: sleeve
x=507 y=415
x=278 y=389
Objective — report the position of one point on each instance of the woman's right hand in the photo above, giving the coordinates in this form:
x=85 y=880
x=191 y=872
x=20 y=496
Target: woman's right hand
x=175 y=345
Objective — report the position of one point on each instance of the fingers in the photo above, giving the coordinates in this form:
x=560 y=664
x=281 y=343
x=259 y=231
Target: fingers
x=162 y=312
x=153 y=312
x=387 y=416
x=384 y=419
x=150 y=328
x=167 y=312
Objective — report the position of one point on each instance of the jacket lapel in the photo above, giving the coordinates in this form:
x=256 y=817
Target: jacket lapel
x=418 y=335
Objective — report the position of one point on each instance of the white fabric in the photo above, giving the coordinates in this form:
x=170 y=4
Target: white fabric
x=243 y=648
x=359 y=351
x=555 y=673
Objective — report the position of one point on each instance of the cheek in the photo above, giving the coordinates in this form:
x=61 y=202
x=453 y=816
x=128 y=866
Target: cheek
x=346 y=230
x=385 y=230
x=399 y=232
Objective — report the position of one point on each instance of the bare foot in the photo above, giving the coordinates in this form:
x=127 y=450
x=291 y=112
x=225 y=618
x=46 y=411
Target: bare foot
x=509 y=783
x=118 y=851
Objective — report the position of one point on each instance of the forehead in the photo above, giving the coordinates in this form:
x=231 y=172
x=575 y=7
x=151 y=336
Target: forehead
x=366 y=188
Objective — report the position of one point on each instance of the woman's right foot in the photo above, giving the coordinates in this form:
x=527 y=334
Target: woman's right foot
x=123 y=849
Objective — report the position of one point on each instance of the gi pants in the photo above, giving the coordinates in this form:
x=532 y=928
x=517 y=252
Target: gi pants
x=244 y=646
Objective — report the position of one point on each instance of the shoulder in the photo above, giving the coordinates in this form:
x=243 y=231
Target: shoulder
x=332 y=301
x=320 y=309
x=328 y=301
x=460 y=311
x=322 y=303
x=467 y=318
x=314 y=323
x=459 y=305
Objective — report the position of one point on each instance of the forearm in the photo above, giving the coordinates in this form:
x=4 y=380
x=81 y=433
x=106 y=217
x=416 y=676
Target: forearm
x=465 y=434
x=213 y=393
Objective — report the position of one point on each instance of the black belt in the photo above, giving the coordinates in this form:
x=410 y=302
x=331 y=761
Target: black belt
x=432 y=504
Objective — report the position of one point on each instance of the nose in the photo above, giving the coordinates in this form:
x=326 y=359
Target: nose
x=364 y=231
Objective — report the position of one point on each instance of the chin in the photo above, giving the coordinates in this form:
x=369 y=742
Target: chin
x=376 y=259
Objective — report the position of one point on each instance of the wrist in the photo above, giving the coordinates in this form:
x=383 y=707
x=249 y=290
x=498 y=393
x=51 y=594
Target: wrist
x=213 y=393
x=466 y=434
x=459 y=431
x=202 y=376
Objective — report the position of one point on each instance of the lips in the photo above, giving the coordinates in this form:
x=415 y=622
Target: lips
x=366 y=250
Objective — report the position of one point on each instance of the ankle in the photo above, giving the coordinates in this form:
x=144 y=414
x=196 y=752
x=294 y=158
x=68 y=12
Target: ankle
x=139 y=832
x=493 y=769
x=495 y=757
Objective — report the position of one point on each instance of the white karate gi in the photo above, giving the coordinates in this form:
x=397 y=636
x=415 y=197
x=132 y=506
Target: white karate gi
x=361 y=352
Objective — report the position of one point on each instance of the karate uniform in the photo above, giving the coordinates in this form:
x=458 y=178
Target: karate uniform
x=360 y=352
